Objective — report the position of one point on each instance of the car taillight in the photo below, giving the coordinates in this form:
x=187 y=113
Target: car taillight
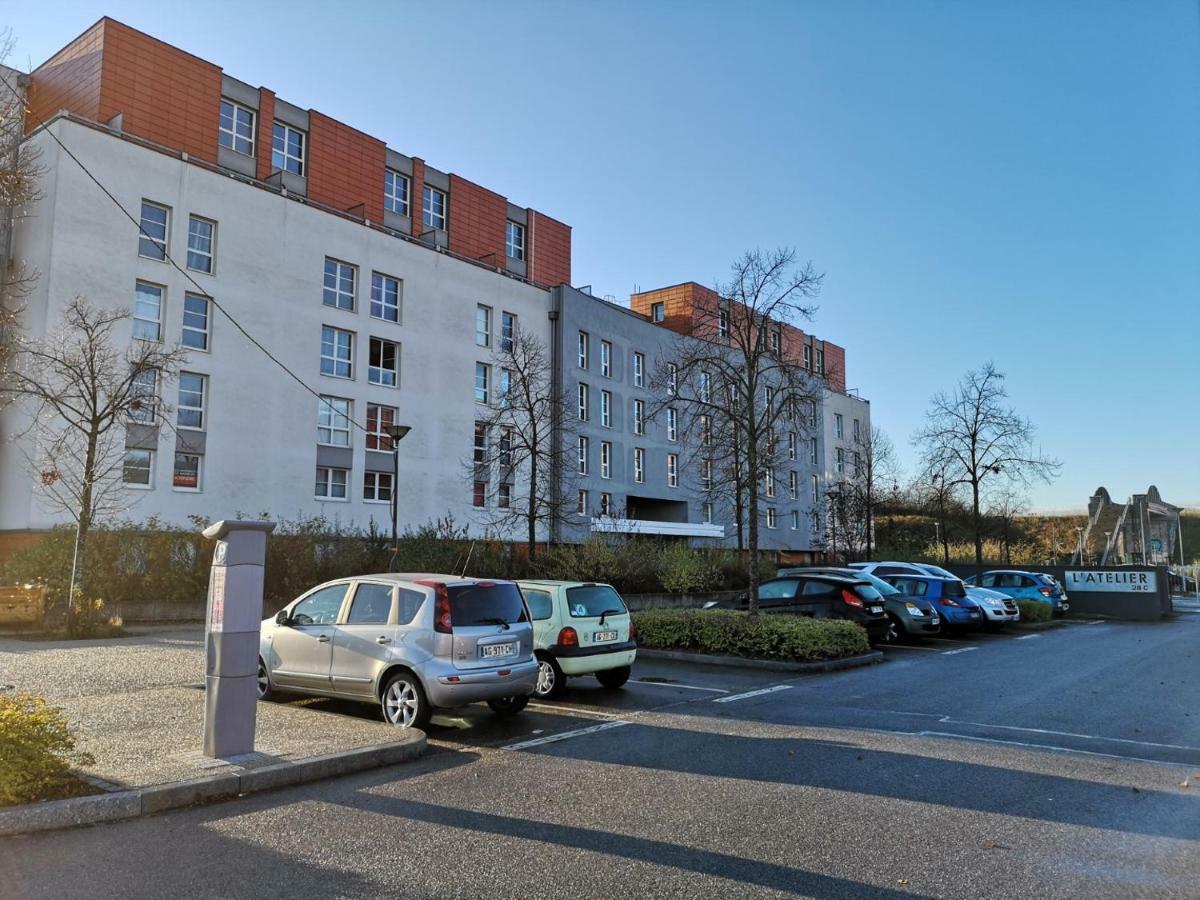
x=1046 y=592
x=850 y=599
x=946 y=601
x=441 y=607
x=631 y=629
x=568 y=637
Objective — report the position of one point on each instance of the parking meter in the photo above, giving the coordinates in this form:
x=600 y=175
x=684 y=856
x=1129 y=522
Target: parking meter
x=235 y=593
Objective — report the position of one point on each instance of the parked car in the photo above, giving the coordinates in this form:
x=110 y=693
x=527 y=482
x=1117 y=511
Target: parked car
x=949 y=595
x=410 y=643
x=913 y=616
x=825 y=597
x=1026 y=586
x=579 y=628
x=996 y=608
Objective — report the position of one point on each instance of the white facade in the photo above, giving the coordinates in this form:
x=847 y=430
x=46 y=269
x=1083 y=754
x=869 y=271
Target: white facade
x=260 y=448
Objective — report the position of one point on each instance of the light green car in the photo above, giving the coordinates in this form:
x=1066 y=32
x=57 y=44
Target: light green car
x=579 y=628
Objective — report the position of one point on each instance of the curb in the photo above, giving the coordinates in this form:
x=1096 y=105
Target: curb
x=225 y=786
x=1036 y=626
x=772 y=665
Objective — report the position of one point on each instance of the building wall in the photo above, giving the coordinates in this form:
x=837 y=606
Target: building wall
x=261 y=446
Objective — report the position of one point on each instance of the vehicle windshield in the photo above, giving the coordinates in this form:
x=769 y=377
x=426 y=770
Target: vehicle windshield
x=592 y=600
x=868 y=593
x=884 y=589
x=485 y=603
x=936 y=570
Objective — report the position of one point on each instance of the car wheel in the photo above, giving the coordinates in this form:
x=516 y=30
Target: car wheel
x=895 y=631
x=551 y=681
x=508 y=706
x=404 y=703
x=265 y=692
x=614 y=678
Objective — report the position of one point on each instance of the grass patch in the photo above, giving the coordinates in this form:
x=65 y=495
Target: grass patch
x=1035 y=611
x=724 y=633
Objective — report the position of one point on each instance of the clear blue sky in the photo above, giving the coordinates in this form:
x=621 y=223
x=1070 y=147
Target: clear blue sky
x=1011 y=180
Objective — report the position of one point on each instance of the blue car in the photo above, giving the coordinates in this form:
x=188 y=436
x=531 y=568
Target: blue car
x=948 y=596
x=1026 y=586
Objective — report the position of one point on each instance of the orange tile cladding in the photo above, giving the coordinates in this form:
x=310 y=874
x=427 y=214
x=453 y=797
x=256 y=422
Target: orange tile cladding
x=835 y=366
x=345 y=167
x=550 y=249
x=68 y=80
x=266 y=131
x=477 y=218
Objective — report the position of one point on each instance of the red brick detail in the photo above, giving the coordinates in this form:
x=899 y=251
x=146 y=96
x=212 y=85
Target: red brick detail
x=835 y=366
x=416 y=198
x=549 y=249
x=265 y=138
x=345 y=167
x=70 y=79
x=476 y=221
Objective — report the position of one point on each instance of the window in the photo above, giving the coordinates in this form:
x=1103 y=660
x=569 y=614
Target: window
x=143 y=389
x=791 y=445
x=815 y=488
x=190 y=413
x=839 y=427
x=187 y=472
x=483 y=377
x=383 y=363
x=201 y=240
x=658 y=312
x=379 y=420
x=820 y=361
x=508 y=331
x=483 y=326
x=581 y=446
x=639 y=370
x=857 y=464
x=514 y=240
x=583 y=402
x=541 y=606
x=287 y=149
x=841 y=461
x=672 y=424
x=581 y=505
x=152 y=239
x=339 y=284
x=138 y=469
x=606 y=409
x=377 y=487
x=708 y=512
x=639 y=417
x=584 y=342
x=434 y=209
x=812 y=450
x=605 y=504
x=195 y=322
x=479 y=451
x=505 y=448
x=672 y=379
x=769 y=400
x=705 y=430
x=672 y=470
x=605 y=459
x=706 y=474
x=769 y=483
x=385 y=297
x=479 y=494
x=776 y=340
x=606 y=359
x=770 y=517
x=337 y=352
x=815 y=523
x=702 y=387
x=639 y=465
x=504 y=388
x=857 y=431
x=812 y=413
x=235 y=130
x=723 y=322
x=795 y=519
x=320 y=607
x=808 y=356
x=395 y=192
x=333 y=421
x=331 y=483
x=147 y=311
x=372 y=604
x=504 y=495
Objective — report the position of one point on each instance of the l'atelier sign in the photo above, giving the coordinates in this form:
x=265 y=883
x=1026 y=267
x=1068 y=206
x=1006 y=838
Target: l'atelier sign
x=1115 y=582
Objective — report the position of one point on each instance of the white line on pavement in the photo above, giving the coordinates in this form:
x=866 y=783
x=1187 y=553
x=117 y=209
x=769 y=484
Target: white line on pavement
x=563 y=736
x=949 y=720
x=685 y=687
x=959 y=650
x=1028 y=637
x=578 y=711
x=749 y=694
x=1033 y=746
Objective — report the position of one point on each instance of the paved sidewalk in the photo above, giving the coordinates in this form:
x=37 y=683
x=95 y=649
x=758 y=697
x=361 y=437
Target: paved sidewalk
x=137 y=705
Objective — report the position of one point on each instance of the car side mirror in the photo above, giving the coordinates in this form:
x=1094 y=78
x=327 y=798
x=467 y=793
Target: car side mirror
x=282 y=618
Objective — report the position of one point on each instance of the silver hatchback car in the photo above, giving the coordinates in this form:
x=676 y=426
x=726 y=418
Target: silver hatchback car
x=411 y=643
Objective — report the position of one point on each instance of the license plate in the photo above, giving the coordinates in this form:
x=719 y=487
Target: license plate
x=491 y=651
x=876 y=609
x=935 y=621
x=601 y=636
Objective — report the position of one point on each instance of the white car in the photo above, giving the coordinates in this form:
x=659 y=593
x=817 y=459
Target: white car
x=998 y=609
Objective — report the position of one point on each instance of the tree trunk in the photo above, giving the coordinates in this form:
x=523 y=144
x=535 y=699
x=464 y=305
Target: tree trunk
x=531 y=516
x=83 y=527
x=978 y=530
x=752 y=568
x=739 y=512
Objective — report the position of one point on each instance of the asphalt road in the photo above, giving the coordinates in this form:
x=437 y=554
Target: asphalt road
x=1044 y=765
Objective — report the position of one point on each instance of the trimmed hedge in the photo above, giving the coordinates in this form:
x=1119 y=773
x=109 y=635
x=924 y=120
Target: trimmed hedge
x=36 y=752
x=725 y=633
x=1035 y=611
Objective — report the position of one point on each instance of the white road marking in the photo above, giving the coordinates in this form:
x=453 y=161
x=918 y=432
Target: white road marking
x=949 y=720
x=1028 y=637
x=685 y=687
x=591 y=714
x=563 y=736
x=1032 y=746
x=749 y=694
x=959 y=650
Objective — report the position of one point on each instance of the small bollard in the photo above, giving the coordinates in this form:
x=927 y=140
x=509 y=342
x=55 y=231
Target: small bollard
x=231 y=634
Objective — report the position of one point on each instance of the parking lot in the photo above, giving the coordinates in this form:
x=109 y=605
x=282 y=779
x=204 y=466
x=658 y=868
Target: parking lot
x=1042 y=764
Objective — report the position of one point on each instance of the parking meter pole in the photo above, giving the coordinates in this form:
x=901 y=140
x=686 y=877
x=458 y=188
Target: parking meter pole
x=235 y=593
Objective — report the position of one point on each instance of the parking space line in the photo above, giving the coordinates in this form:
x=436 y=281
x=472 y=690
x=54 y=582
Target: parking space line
x=959 y=650
x=1028 y=637
x=1033 y=746
x=749 y=694
x=563 y=736
x=685 y=687
x=574 y=710
x=949 y=720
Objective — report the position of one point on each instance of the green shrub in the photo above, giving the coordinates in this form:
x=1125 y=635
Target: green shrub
x=683 y=570
x=36 y=752
x=1035 y=611
x=722 y=633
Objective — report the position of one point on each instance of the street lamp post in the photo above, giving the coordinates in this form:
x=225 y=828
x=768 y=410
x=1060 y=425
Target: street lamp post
x=396 y=433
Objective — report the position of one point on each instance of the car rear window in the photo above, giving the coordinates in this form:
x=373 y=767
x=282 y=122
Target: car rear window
x=953 y=588
x=591 y=600
x=866 y=592
x=937 y=570
x=485 y=603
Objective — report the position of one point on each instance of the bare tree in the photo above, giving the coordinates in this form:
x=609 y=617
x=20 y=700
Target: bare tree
x=874 y=467
x=1006 y=501
x=971 y=436
x=82 y=389
x=736 y=369
x=515 y=444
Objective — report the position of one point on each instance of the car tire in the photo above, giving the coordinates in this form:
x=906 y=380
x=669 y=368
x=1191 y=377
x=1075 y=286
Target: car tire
x=551 y=682
x=403 y=702
x=265 y=690
x=895 y=631
x=505 y=707
x=614 y=678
